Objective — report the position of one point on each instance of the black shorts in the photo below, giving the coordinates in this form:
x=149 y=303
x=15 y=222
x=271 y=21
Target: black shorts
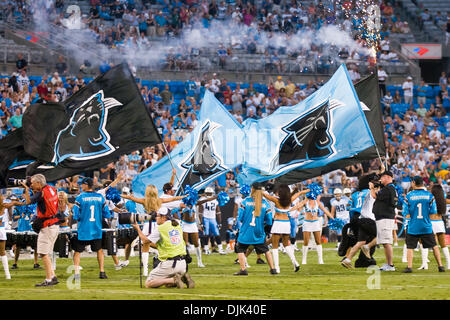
x=259 y=248
x=367 y=230
x=80 y=245
x=428 y=240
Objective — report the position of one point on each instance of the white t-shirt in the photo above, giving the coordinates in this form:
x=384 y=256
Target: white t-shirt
x=341 y=207
x=366 y=210
x=408 y=88
x=170 y=205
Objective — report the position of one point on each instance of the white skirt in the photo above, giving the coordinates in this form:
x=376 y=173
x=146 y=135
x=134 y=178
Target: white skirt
x=189 y=227
x=438 y=226
x=312 y=226
x=281 y=227
x=2 y=234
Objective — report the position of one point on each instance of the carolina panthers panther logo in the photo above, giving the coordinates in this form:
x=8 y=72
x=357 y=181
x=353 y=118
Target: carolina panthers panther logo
x=308 y=136
x=202 y=164
x=86 y=137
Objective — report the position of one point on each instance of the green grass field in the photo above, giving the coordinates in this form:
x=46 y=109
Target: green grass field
x=216 y=281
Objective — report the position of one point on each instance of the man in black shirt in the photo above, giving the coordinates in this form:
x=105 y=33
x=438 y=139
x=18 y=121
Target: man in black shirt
x=384 y=211
x=21 y=63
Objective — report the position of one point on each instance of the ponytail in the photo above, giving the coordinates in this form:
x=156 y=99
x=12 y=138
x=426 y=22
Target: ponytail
x=257 y=196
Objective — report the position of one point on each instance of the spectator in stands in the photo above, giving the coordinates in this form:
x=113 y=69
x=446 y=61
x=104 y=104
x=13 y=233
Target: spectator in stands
x=421 y=110
x=23 y=80
x=279 y=83
x=422 y=92
x=382 y=77
x=167 y=97
x=408 y=90
x=21 y=63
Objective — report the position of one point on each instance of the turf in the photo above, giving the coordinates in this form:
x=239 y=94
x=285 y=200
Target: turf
x=216 y=281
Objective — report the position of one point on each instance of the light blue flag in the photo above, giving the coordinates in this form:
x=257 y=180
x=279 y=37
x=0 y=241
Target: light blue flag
x=327 y=126
x=210 y=150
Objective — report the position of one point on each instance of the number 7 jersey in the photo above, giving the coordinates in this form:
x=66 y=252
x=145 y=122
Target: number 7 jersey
x=419 y=204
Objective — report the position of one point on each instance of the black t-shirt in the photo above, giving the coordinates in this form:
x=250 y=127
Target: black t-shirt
x=21 y=63
x=61 y=67
x=384 y=205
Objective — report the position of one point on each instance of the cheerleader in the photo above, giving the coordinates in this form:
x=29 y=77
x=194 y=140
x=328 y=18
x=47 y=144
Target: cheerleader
x=312 y=224
x=4 y=207
x=281 y=228
x=189 y=220
x=151 y=203
x=437 y=222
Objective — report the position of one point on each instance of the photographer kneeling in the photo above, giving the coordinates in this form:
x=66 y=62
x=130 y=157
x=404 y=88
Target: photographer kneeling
x=167 y=238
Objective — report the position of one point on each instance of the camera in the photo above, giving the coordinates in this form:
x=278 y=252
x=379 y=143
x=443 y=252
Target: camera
x=132 y=218
x=375 y=179
x=18 y=182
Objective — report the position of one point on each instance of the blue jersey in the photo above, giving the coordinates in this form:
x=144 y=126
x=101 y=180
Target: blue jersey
x=420 y=204
x=26 y=214
x=253 y=234
x=358 y=200
x=90 y=208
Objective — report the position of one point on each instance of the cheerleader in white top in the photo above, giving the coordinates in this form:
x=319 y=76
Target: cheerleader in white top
x=281 y=227
x=312 y=223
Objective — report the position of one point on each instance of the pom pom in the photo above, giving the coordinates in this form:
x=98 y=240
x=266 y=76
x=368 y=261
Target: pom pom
x=192 y=196
x=314 y=190
x=336 y=224
x=223 y=198
x=401 y=198
x=113 y=194
x=245 y=190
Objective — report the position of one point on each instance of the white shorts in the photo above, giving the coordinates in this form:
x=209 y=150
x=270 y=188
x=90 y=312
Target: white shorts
x=2 y=234
x=384 y=231
x=281 y=227
x=438 y=226
x=312 y=226
x=165 y=269
x=46 y=239
x=189 y=227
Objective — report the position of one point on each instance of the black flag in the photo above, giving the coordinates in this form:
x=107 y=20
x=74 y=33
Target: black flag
x=11 y=147
x=105 y=119
x=369 y=96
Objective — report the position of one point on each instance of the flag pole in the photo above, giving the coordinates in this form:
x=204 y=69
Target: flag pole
x=173 y=166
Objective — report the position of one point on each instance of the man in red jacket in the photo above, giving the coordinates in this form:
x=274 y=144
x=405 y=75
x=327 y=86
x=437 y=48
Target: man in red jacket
x=46 y=198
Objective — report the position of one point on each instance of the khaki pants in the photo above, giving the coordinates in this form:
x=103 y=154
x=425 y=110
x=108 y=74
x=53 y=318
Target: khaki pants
x=165 y=269
x=46 y=239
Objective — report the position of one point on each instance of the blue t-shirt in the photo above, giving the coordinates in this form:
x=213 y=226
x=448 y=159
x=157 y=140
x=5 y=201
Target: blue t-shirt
x=90 y=208
x=419 y=205
x=253 y=234
x=358 y=200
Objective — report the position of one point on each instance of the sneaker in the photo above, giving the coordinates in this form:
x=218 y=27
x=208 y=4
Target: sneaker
x=241 y=273
x=347 y=264
x=247 y=265
x=278 y=270
x=37 y=266
x=387 y=267
x=14 y=266
x=178 y=281
x=117 y=266
x=186 y=278
x=236 y=261
x=124 y=263
x=8 y=277
x=260 y=261
x=273 y=271
x=55 y=280
x=404 y=260
x=200 y=265
x=407 y=270
x=423 y=267
x=365 y=249
x=441 y=269
x=296 y=267
x=103 y=275
x=45 y=283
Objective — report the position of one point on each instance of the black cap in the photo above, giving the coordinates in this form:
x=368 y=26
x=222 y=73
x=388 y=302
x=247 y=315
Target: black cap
x=418 y=180
x=88 y=181
x=388 y=173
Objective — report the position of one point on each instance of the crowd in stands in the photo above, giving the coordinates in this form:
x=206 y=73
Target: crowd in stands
x=123 y=25
x=417 y=137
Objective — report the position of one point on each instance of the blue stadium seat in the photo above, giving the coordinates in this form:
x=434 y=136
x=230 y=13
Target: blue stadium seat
x=430 y=92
